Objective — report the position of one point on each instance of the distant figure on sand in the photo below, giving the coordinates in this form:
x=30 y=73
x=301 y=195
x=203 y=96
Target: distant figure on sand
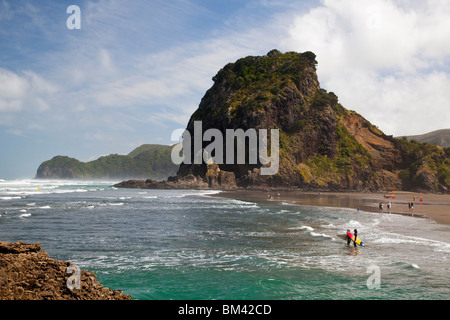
x=380 y=207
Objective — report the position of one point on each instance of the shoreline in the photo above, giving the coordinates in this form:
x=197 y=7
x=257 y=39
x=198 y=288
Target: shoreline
x=435 y=207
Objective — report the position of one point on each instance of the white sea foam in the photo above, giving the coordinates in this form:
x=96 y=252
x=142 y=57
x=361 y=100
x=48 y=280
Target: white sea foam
x=233 y=203
x=323 y=235
x=198 y=193
x=208 y=192
x=10 y=198
x=308 y=228
x=27 y=187
x=354 y=223
x=398 y=238
x=25 y=215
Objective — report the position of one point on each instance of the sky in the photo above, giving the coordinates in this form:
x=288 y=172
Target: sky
x=136 y=70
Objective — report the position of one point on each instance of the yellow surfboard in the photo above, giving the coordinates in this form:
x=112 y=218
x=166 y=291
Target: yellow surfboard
x=357 y=241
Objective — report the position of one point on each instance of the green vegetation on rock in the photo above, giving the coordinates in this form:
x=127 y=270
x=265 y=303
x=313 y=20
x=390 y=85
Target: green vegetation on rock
x=322 y=144
x=146 y=161
x=424 y=161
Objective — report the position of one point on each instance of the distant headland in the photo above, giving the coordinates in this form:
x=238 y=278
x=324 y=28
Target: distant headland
x=148 y=160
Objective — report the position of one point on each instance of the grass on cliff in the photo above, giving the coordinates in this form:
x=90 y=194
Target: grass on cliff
x=350 y=158
x=257 y=81
x=418 y=155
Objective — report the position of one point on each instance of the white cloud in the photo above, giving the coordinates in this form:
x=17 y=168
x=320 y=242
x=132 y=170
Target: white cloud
x=24 y=91
x=135 y=72
x=375 y=57
x=399 y=105
x=12 y=90
x=146 y=59
x=383 y=58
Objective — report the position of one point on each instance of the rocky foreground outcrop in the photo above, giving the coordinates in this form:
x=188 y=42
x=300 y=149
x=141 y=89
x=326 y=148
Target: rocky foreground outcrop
x=214 y=179
x=28 y=273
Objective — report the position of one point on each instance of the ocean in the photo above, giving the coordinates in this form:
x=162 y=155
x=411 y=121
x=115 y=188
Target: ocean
x=198 y=245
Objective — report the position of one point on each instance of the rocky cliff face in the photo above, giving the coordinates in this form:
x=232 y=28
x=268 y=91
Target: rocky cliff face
x=28 y=273
x=323 y=146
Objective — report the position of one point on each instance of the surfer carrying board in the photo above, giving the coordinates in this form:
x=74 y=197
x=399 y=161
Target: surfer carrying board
x=350 y=239
x=355 y=232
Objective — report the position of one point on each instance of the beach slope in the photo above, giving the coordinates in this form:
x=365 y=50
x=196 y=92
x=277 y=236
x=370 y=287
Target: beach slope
x=431 y=206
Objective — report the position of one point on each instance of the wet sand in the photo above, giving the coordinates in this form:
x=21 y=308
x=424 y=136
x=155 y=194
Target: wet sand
x=433 y=206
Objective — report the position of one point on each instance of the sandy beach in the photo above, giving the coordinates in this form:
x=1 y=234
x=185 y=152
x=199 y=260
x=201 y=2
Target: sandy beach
x=432 y=206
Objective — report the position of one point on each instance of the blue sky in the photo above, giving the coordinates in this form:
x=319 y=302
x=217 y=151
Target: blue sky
x=136 y=70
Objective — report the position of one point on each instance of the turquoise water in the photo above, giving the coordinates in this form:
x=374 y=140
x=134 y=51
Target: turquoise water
x=186 y=244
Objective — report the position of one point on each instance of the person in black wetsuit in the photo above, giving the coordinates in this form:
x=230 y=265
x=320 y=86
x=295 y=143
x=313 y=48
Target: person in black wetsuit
x=348 y=238
x=355 y=232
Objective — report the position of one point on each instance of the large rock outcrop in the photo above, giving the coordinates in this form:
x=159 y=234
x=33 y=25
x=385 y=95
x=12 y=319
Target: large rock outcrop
x=322 y=145
x=28 y=273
